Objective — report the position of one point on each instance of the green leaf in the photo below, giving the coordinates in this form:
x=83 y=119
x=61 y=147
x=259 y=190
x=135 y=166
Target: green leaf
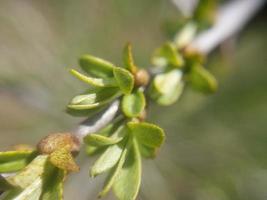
x=53 y=184
x=167 y=55
x=95 y=98
x=167 y=88
x=202 y=80
x=29 y=181
x=113 y=129
x=96 y=66
x=147 y=152
x=128 y=58
x=128 y=180
x=100 y=140
x=133 y=104
x=63 y=159
x=147 y=134
x=107 y=160
x=113 y=174
x=124 y=79
x=4 y=185
x=96 y=82
x=11 y=161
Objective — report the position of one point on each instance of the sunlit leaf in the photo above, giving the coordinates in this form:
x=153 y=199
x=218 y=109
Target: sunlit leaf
x=29 y=181
x=113 y=174
x=107 y=160
x=167 y=55
x=11 y=161
x=100 y=140
x=167 y=87
x=94 y=99
x=53 y=184
x=124 y=79
x=96 y=82
x=128 y=180
x=133 y=104
x=147 y=134
x=202 y=80
x=96 y=66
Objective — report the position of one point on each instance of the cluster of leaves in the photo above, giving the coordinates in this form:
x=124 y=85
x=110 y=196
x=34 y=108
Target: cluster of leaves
x=178 y=67
x=122 y=142
x=38 y=174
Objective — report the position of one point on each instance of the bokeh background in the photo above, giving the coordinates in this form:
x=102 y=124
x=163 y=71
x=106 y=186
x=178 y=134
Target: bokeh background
x=216 y=145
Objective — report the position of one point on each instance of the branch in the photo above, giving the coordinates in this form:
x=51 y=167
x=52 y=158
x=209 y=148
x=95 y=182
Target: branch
x=231 y=18
x=100 y=120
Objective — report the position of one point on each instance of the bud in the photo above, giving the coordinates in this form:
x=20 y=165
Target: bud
x=56 y=141
x=141 y=77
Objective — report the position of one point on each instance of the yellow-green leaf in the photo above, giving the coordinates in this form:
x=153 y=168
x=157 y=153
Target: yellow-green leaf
x=96 y=97
x=113 y=174
x=167 y=55
x=128 y=58
x=167 y=87
x=100 y=140
x=133 y=104
x=11 y=161
x=96 y=82
x=128 y=180
x=202 y=80
x=107 y=160
x=124 y=79
x=53 y=184
x=96 y=66
x=147 y=134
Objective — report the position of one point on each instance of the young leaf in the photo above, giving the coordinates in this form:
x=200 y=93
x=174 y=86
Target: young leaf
x=147 y=152
x=28 y=182
x=124 y=79
x=128 y=58
x=202 y=80
x=147 y=134
x=96 y=82
x=100 y=140
x=107 y=160
x=11 y=161
x=167 y=88
x=63 y=159
x=53 y=184
x=95 y=98
x=168 y=55
x=96 y=66
x=113 y=174
x=127 y=182
x=133 y=104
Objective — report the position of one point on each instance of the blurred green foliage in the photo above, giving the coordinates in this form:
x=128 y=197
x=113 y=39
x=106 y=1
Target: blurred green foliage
x=215 y=146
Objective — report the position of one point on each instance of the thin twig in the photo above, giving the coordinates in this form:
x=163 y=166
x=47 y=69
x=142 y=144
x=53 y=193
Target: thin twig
x=100 y=120
x=231 y=18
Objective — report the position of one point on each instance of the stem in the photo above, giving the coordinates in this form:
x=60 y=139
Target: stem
x=231 y=18
x=100 y=120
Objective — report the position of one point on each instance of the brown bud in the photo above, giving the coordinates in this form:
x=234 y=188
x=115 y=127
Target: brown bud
x=141 y=77
x=56 y=141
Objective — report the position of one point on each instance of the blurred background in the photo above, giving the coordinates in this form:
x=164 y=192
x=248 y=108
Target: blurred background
x=216 y=145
